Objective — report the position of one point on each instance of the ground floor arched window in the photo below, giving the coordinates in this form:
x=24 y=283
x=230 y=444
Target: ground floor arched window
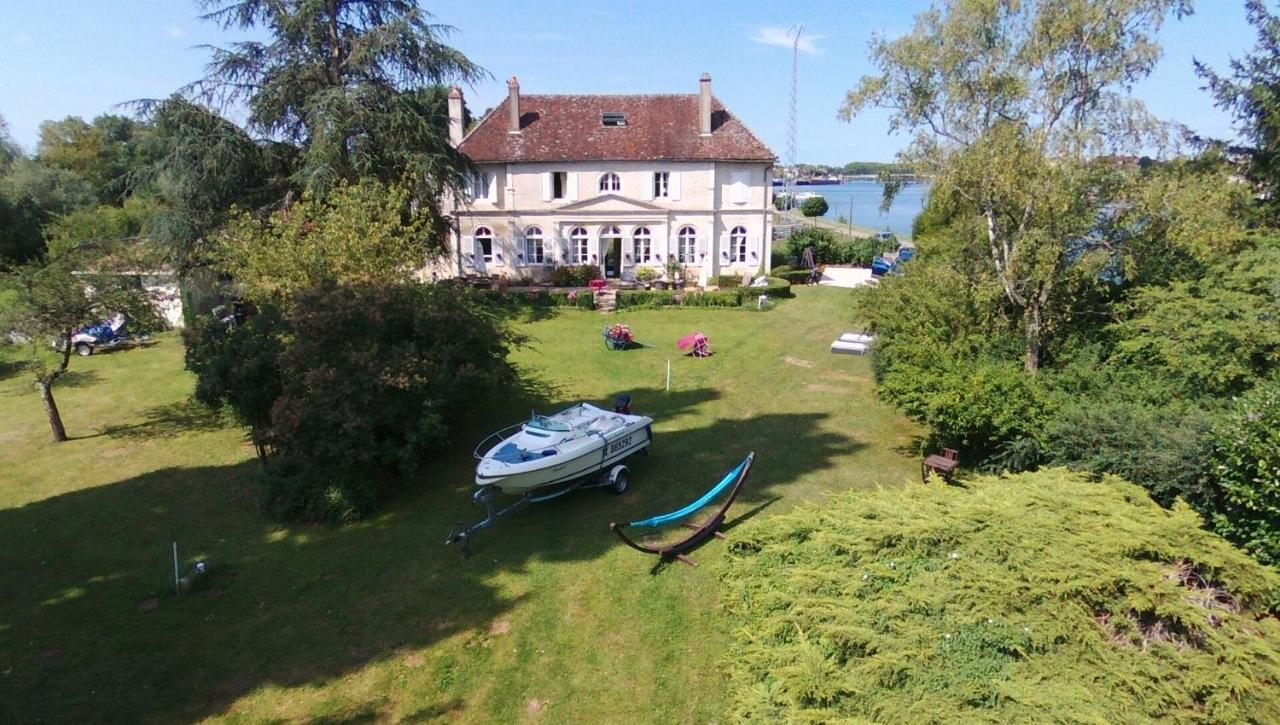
x=579 y=245
x=643 y=245
x=738 y=245
x=534 y=249
x=687 y=245
x=484 y=244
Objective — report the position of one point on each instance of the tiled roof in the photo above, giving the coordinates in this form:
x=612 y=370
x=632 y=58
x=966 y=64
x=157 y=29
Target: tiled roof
x=568 y=128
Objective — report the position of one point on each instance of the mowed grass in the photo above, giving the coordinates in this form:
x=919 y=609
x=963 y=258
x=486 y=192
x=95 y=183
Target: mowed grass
x=550 y=619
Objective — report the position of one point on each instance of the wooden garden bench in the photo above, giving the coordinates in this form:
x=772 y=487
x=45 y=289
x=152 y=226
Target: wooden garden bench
x=944 y=465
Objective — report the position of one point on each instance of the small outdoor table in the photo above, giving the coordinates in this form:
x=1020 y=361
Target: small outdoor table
x=945 y=464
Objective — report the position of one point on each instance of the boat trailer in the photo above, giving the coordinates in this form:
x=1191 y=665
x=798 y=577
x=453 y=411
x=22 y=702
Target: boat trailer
x=617 y=478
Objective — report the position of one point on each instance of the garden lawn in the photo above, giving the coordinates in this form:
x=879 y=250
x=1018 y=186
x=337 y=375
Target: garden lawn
x=551 y=618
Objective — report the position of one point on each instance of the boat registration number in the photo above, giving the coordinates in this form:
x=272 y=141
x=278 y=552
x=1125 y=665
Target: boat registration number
x=620 y=444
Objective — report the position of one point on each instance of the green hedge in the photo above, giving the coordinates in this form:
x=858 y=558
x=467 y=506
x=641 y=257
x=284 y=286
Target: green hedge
x=777 y=288
x=574 y=276
x=717 y=298
x=728 y=281
x=794 y=276
x=638 y=299
x=537 y=298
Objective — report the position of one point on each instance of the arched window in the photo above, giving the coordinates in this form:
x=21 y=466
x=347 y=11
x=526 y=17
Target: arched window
x=578 y=245
x=738 y=245
x=687 y=245
x=643 y=243
x=534 y=252
x=484 y=244
x=610 y=182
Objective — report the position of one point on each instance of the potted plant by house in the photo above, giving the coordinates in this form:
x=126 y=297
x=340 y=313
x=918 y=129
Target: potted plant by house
x=645 y=276
x=675 y=273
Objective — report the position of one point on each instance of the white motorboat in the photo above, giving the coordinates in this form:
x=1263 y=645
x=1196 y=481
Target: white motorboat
x=554 y=449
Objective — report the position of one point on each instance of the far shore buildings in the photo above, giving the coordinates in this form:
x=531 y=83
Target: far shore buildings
x=618 y=181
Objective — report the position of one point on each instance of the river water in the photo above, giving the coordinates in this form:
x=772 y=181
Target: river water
x=865 y=197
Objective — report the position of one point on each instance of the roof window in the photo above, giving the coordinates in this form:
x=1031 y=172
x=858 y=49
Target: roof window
x=614 y=119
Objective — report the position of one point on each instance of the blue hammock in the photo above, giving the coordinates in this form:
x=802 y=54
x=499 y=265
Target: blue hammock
x=719 y=488
x=732 y=482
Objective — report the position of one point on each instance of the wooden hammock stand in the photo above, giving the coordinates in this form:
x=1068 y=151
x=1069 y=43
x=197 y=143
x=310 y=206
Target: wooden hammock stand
x=701 y=531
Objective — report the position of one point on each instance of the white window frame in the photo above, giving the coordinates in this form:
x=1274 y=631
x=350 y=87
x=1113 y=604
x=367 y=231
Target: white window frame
x=534 y=241
x=484 y=186
x=483 y=233
x=579 y=245
x=609 y=183
x=642 y=245
x=687 y=245
x=662 y=184
x=738 y=245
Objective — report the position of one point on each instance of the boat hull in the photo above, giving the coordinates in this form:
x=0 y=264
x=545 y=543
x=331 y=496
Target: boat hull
x=598 y=453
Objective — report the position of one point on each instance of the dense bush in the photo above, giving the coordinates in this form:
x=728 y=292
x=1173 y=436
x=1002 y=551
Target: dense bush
x=830 y=248
x=637 y=299
x=1167 y=451
x=1034 y=598
x=1247 y=464
x=574 y=275
x=726 y=281
x=536 y=298
x=794 y=276
x=361 y=383
x=238 y=369
x=717 y=298
x=780 y=269
x=814 y=206
x=777 y=288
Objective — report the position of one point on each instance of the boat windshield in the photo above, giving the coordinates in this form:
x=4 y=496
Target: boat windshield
x=542 y=422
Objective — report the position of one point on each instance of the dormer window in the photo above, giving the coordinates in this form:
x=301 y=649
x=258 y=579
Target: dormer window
x=610 y=182
x=614 y=119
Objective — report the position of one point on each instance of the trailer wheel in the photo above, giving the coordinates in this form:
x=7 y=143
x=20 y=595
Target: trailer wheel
x=83 y=349
x=620 y=479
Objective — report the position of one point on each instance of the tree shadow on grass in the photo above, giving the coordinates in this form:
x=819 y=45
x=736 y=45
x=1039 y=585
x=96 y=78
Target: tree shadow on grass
x=167 y=421
x=89 y=628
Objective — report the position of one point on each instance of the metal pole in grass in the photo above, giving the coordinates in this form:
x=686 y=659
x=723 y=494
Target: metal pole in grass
x=176 y=586
x=668 y=375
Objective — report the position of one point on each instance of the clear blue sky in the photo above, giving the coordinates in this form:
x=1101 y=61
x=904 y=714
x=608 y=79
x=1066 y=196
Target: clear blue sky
x=83 y=57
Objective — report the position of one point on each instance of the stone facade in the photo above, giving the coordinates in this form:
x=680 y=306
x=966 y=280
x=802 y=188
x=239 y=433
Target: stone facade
x=624 y=196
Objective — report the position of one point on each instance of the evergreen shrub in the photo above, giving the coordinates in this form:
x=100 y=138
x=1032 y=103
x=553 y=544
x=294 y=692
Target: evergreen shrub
x=1038 y=597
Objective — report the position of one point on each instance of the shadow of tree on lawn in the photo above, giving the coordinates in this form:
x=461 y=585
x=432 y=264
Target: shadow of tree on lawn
x=167 y=421
x=89 y=621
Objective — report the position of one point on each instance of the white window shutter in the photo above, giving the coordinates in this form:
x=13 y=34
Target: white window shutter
x=673 y=185
x=653 y=185
x=704 y=247
x=468 y=251
x=522 y=252
x=546 y=186
x=493 y=188
x=571 y=180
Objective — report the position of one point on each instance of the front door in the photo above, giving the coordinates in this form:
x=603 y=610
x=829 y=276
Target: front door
x=612 y=257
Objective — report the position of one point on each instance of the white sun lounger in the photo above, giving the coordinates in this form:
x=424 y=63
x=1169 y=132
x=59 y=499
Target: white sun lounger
x=857 y=337
x=849 y=348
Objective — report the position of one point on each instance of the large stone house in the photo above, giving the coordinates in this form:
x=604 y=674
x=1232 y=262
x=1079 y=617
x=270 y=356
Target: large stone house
x=618 y=181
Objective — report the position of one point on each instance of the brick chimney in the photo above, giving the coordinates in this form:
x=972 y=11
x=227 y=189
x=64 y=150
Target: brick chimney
x=513 y=104
x=456 y=130
x=704 y=103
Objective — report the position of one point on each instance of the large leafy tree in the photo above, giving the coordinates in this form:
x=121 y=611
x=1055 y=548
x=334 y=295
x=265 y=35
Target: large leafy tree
x=1011 y=105
x=358 y=234
x=108 y=153
x=339 y=91
x=1250 y=90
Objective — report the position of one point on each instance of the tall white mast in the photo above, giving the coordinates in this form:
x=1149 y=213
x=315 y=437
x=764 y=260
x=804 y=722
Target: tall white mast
x=790 y=175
